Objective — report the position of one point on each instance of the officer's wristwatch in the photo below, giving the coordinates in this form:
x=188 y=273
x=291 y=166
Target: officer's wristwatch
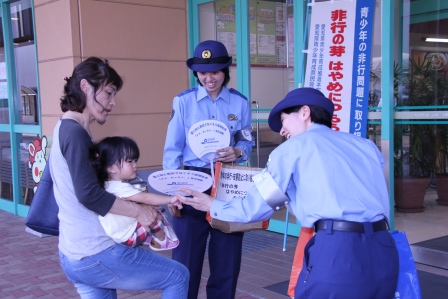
x=241 y=153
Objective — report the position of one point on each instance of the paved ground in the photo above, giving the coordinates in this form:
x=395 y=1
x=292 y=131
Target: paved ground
x=29 y=265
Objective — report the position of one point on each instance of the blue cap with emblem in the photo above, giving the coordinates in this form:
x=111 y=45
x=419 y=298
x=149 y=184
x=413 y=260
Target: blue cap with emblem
x=209 y=56
x=298 y=97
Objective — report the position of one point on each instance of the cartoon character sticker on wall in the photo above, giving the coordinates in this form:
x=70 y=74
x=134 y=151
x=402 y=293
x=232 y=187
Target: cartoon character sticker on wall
x=37 y=162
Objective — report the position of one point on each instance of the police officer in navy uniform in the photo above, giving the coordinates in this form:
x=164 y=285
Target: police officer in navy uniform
x=332 y=181
x=211 y=100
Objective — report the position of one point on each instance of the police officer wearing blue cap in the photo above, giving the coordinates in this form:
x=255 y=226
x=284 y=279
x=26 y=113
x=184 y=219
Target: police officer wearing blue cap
x=211 y=100
x=332 y=181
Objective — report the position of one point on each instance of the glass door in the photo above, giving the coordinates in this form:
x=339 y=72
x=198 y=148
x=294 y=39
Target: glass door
x=271 y=38
x=421 y=122
x=259 y=35
x=19 y=108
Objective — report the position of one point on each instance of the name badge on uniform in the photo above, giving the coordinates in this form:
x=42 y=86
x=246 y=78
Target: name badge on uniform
x=232 y=117
x=269 y=190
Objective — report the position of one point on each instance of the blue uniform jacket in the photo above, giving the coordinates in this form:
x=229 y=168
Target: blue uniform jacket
x=194 y=105
x=326 y=175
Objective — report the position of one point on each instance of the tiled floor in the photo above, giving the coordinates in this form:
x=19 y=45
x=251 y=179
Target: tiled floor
x=29 y=265
x=432 y=223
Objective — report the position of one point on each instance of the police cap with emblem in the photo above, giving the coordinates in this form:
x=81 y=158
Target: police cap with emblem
x=209 y=56
x=299 y=97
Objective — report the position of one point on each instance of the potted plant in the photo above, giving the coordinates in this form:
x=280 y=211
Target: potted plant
x=441 y=146
x=418 y=160
x=412 y=169
x=441 y=165
x=406 y=198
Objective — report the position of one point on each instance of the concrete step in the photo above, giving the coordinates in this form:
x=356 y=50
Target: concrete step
x=430 y=257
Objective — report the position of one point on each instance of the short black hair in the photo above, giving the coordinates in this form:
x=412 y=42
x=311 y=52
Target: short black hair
x=112 y=151
x=318 y=114
x=97 y=72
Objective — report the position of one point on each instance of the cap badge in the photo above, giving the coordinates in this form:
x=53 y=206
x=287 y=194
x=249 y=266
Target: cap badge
x=232 y=117
x=206 y=54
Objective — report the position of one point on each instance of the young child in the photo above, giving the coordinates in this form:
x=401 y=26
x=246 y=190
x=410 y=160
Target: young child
x=115 y=162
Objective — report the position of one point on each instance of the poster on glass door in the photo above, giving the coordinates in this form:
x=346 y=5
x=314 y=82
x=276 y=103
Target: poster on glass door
x=338 y=60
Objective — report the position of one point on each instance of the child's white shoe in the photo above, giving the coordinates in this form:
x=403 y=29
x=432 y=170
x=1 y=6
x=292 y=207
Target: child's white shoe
x=166 y=244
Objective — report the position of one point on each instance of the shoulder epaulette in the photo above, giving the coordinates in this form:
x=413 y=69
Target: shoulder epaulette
x=234 y=91
x=187 y=91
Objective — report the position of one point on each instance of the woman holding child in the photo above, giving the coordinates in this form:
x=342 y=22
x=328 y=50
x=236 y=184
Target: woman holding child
x=93 y=261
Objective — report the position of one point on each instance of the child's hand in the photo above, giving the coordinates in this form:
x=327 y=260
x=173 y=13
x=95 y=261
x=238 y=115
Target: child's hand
x=199 y=201
x=176 y=202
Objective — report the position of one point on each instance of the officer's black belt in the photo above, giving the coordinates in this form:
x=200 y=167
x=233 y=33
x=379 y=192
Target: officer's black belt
x=350 y=226
x=201 y=169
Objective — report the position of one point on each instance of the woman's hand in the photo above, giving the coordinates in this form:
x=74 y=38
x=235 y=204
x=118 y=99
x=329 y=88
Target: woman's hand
x=146 y=215
x=199 y=201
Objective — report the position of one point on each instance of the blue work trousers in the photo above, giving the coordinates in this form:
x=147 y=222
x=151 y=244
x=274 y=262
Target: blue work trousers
x=349 y=265
x=120 y=267
x=224 y=254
